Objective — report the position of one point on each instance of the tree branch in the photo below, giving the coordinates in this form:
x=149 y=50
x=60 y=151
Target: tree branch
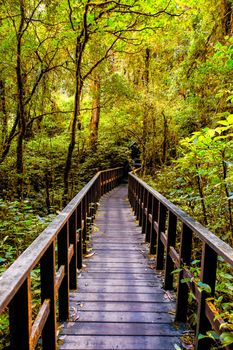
x=70 y=16
x=101 y=59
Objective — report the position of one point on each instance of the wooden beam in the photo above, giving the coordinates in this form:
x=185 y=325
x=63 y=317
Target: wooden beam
x=59 y=277
x=39 y=322
x=70 y=252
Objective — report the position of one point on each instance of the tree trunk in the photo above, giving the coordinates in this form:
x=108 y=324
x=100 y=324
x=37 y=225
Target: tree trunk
x=145 y=116
x=95 y=117
x=201 y=194
x=47 y=185
x=71 y=146
x=20 y=111
x=165 y=135
x=153 y=144
x=19 y=164
x=226 y=16
x=3 y=113
x=75 y=123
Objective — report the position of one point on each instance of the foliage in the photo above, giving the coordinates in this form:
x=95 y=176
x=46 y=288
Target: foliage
x=200 y=181
x=164 y=80
x=19 y=226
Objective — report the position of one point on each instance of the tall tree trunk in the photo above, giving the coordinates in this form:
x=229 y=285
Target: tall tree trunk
x=3 y=113
x=202 y=196
x=145 y=116
x=81 y=42
x=95 y=117
x=21 y=111
x=165 y=139
x=75 y=124
x=153 y=144
x=47 y=185
x=226 y=16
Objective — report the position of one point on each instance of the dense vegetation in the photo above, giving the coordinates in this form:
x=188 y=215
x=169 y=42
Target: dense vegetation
x=79 y=81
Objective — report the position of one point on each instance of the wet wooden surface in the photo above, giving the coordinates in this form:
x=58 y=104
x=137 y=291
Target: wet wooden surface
x=120 y=303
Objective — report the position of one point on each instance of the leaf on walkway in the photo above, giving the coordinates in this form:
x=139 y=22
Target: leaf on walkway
x=74 y=316
x=152 y=267
x=177 y=347
x=89 y=255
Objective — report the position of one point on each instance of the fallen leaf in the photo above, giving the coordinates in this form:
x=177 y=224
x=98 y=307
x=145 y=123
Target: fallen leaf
x=74 y=316
x=152 y=267
x=89 y=255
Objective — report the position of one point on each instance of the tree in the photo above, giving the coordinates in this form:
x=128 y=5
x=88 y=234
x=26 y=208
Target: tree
x=33 y=60
x=120 y=21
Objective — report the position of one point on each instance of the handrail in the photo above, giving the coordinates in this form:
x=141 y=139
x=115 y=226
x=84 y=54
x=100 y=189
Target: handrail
x=58 y=271
x=158 y=218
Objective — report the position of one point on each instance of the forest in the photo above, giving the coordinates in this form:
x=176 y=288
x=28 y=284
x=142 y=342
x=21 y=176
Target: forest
x=81 y=81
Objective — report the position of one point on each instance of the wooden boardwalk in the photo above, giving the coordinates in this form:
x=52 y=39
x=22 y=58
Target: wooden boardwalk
x=120 y=303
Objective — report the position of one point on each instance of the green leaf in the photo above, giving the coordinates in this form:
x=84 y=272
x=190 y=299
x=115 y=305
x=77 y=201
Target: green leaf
x=201 y=336
x=230 y=119
x=186 y=280
x=229 y=63
x=194 y=262
x=176 y=271
x=213 y=335
x=226 y=338
x=204 y=287
x=223 y=122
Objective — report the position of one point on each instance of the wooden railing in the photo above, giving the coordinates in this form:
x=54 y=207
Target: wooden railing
x=58 y=251
x=160 y=219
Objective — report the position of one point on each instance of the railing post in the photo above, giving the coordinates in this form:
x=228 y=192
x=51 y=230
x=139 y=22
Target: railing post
x=79 y=238
x=161 y=228
x=84 y=218
x=73 y=241
x=144 y=215
x=110 y=175
x=20 y=314
x=98 y=189
x=111 y=180
x=95 y=194
x=47 y=266
x=140 y=213
x=100 y=185
x=208 y=276
x=63 y=293
x=88 y=219
x=171 y=241
x=153 y=232
x=130 y=197
x=149 y=212
x=136 y=193
x=182 y=288
x=91 y=208
x=132 y=187
x=133 y=184
x=105 y=184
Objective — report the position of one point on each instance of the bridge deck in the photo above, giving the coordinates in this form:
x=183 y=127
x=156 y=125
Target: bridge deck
x=120 y=303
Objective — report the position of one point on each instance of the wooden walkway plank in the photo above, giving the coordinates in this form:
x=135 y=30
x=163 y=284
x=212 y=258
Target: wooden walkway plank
x=119 y=303
x=110 y=306
x=95 y=328
x=125 y=342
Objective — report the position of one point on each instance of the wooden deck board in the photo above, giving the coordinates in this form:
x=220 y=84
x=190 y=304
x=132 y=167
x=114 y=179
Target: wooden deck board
x=110 y=306
x=119 y=303
x=95 y=328
x=119 y=342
